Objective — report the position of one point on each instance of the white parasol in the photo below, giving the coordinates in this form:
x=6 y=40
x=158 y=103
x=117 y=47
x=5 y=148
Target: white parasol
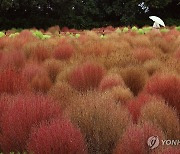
x=157 y=21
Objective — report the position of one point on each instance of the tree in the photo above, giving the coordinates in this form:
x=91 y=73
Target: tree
x=83 y=13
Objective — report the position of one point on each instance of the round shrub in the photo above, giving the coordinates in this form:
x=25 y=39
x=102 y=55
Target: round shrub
x=53 y=67
x=135 y=138
x=41 y=83
x=27 y=36
x=135 y=78
x=64 y=51
x=165 y=117
x=40 y=51
x=140 y=41
x=87 y=76
x=26 y=112
x=120 y=94
x=59 y=136
x=167 y=86
x=152 y=66
x=100 y=119
x=143 y=54
x=63 y=93
x=12 y=82
x=5 y=101
x=4 y=42
x=137 y=103
x=110 y=81
x=31 y=70
x=14 y=59
x=162 y=44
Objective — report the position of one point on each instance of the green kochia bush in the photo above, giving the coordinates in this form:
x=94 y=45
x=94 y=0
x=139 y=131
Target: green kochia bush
x=134 y=29
x=38 y=34
x=14 y=35
x=147 y=29
x=46 y=37
x=125 y=29
x=77 y=35
x=164 y=30
x=178 y=28
x=118 y=30
x=2 y=34
x=141 y=31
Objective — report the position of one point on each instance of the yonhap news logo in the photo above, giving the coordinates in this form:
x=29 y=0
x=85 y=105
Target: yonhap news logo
x=153 y=142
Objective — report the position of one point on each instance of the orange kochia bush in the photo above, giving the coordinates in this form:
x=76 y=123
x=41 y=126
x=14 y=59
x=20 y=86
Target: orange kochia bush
x=100 y=119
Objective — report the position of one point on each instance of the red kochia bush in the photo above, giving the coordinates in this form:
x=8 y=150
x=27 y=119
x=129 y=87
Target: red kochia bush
x=110 y=81
x=64 y=50
x=5 y=102
x=31 y=70
x=26 y=35
x=167 y=86
x=27 y=111
x=40 y=51
x=58 y=137
x=4 y=41
x=14 y=59
x=134 y=140
x=86 y=76
x=12 y=82
x=136 y=104
x=143 y=54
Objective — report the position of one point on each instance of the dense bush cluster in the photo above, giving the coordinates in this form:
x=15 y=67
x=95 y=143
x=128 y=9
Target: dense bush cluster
x=87 y=93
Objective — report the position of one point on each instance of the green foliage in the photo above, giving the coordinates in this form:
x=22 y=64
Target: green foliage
x=147 y=29
x=14 y=35
x=103 y=36
x=2 y=34
x=38 y=34
x=141 y=31
x=118 y=30
x=71 y=36
x=178 y=28
x=81 y=14
x=134 y=29
x=125 y=29
x=77 y=35
x=46 y=37
x=172 y=22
